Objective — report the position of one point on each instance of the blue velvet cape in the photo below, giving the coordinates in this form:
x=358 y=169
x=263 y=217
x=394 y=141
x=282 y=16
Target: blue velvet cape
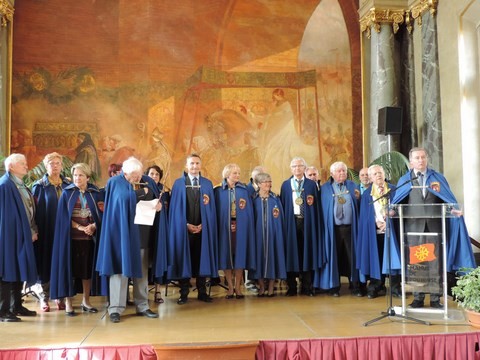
x=328 y=277
x=245 y=236
x=459 y=249
x=313 y=251
x=179 y=265
x=17 y=258
x=62 y=281
x=368 y=262
x=119 y=248
x=47 y=203
x=159 y=266
x=270 y=250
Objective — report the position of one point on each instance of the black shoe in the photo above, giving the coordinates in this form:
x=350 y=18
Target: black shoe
x=372 y=294
x=291 y=292
x=205 y=298
x=229 y=297
x=436 y=304
x=9 y=317
x=308 y=293
x=89 y=309
x=416 y=304
x=334 y=293
x=148 y=313
x=182 y=300
x=71 y=313
x=239 y=296
x=115 y=317
x=358 y=293
x=23 y=311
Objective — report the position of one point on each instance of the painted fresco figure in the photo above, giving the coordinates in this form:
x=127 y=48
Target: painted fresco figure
x=86 y=152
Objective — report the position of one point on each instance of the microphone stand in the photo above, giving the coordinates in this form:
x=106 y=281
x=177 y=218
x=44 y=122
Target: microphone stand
x=391 y=310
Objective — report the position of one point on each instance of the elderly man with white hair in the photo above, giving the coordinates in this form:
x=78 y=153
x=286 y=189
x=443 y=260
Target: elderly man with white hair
x=18 y=231
x=340 y=199
x=301 y=206
x=122 y=253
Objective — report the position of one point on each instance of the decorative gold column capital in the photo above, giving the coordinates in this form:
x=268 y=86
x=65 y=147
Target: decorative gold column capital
x=376 y=17
x=6 y=12
x=422 y=7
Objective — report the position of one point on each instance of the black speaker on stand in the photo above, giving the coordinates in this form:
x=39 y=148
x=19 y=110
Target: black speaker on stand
x=390 y=122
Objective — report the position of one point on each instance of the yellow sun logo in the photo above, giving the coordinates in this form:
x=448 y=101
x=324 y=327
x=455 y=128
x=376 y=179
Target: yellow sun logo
x=422 y=253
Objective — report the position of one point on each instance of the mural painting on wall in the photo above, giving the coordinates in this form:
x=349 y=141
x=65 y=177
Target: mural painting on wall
x=96 y=111
x=71 y=113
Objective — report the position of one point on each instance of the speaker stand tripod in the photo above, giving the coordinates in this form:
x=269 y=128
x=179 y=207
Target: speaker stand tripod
x=391 y=310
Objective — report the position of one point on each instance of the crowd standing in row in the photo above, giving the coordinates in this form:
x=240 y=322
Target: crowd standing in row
x=312 y=232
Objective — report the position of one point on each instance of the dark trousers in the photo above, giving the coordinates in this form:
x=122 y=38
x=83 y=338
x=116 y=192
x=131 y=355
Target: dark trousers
x=376 y=285
x=345 y=260
x=305 y=276
x=200 y=283
x=10 y=296
x=195 y=242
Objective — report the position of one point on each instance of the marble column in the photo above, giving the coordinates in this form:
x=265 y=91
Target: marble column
x=384 y=87
x=432 y=115
x=409 y=137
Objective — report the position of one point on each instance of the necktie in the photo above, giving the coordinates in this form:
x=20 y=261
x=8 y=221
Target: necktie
x=421 y=182
x=299 y=194
x=339 y=211
x=195 y=188
x=233 y=206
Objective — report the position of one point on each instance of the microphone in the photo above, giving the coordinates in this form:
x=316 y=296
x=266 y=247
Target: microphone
x=417 y=175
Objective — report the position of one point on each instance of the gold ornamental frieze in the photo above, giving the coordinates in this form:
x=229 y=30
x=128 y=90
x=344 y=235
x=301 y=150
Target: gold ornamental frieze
x=422 y=7
x=376 y=17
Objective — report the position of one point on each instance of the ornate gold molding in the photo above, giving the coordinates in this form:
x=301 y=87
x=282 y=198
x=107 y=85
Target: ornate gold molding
x=425 y=5
x=6 y=12
x=376 y=17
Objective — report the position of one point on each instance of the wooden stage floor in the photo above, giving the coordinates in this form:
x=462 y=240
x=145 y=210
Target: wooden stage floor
x=223 y=321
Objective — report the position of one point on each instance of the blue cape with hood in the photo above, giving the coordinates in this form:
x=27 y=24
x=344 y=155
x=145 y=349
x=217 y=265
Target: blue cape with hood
x=328 y=276
x=159 y=266
x=17 y=258
x=245 y=236
x=179 y=264
x=459 y=249
x=368 y=262
x=47 y=203
x=62 y=281
x=313 y=252
x=119 y=249
x=270 y=251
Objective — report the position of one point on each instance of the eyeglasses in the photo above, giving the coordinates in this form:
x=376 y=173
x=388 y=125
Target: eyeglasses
x=297 y=166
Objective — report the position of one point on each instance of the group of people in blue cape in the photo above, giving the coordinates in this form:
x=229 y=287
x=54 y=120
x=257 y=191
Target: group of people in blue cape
x=70 y=237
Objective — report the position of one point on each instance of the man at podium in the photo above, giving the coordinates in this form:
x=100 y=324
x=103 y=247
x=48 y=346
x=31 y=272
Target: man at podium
x=425 y=186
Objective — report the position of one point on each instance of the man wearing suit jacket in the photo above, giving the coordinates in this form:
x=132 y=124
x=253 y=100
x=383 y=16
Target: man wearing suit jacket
x=426 y=186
